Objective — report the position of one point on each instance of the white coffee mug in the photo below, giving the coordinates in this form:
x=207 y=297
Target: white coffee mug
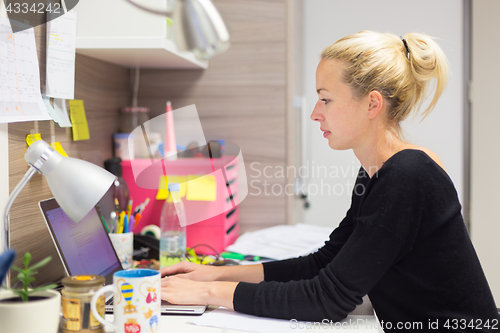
x=136 y=301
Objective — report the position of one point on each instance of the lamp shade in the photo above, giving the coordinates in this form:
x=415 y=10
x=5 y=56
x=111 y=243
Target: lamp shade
x=77 y=185
x=199 y=28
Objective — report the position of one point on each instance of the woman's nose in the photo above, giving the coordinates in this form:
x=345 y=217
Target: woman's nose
x=316 y=115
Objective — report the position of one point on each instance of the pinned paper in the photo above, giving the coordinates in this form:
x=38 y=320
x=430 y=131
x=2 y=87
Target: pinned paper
x=162 y=193
x=30 y=138
x=57 y=146
x=58 y=112
x=20 y=98
x=50 y=108
x=60 y=69
x=79 y=120
x=61 y=112
x=201 y=188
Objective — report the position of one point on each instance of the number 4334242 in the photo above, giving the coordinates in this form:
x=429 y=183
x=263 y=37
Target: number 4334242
x=36 y=8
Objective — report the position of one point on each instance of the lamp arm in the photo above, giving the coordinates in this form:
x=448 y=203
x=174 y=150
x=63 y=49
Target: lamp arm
x=152 y=11
x=31 y=171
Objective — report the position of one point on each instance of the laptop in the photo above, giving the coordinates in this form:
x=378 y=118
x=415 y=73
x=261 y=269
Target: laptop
x=85 y=248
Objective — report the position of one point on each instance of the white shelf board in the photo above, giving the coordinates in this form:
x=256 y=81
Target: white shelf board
x=142 y=52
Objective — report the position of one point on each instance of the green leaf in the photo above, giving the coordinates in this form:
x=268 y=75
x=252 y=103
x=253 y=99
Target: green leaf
x=31 y=273
x=21 y=293
x=27 y=259
x=17 y=269
x=26 y=276
x=18 y=292
x=41 y=263
x=42 y=288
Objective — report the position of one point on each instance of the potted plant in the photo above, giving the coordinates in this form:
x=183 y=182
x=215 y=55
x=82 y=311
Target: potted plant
x=28 y=310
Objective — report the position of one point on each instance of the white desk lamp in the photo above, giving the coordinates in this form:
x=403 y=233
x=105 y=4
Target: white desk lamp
x=198 y=26
x=77 y=185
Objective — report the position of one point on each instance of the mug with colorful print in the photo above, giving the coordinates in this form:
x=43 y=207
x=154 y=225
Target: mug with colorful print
x=136 y=298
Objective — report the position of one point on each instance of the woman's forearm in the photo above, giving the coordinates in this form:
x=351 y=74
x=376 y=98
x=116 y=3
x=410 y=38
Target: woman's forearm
x=221 y=293
x=241 y=273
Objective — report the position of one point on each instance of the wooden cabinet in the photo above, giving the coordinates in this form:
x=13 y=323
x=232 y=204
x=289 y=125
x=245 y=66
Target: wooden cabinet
x=117 y=32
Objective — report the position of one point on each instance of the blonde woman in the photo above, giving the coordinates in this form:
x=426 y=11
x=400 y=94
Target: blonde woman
x=403 y=242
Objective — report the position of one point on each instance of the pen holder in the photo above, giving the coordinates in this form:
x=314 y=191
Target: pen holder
x=124 y=246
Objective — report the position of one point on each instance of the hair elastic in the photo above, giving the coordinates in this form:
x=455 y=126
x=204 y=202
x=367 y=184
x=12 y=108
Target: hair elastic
x=407 y=48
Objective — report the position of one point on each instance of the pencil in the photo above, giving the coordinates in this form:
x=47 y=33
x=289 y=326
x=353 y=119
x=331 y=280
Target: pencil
x=129 y=207
x=120 y=222
x=117 y=206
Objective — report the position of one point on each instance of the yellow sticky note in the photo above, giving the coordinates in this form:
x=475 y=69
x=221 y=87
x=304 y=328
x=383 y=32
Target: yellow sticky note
x=79 y=120
x=30 y=138
x=57 y=146
x=201 y=188
x=162 y=193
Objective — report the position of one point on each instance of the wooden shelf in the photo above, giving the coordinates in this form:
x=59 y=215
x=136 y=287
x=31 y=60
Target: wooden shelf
x=155 y=52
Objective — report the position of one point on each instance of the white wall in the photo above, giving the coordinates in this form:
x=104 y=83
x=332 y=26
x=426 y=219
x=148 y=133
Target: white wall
x=4 y=176
x=4 y=160
x=485 y=117
x=325 y=21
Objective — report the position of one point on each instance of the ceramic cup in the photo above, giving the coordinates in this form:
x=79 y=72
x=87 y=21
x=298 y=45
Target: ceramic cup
x=136 y=301
x=124 y=247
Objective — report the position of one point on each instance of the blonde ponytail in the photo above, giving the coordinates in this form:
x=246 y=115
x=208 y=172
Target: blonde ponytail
x=427 y=62
x=401 y=73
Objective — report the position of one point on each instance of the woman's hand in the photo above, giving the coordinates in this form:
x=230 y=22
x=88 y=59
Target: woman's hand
x=191 y=271
x=207 y=273
x=177 y=290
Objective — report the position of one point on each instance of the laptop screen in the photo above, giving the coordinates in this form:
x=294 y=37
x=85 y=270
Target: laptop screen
x=84 y=247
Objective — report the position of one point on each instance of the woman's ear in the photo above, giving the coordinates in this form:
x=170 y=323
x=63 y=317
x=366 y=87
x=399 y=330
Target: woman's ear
x=376 y=105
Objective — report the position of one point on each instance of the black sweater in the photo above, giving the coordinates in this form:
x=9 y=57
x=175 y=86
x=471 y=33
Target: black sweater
x=403 y=242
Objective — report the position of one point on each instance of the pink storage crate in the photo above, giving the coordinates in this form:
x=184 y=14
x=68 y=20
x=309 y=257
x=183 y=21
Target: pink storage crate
x=218 y=231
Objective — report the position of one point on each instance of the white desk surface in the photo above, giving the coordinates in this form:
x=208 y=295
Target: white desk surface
x=180 y=324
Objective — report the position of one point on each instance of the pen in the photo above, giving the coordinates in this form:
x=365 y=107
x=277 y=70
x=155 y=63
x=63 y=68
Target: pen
x=114 y=223
x=141 y=207
x=238 y=256
x=137 y=219
x=102 y=219
x=125 y=224
x=105 y=224
x=131 y=224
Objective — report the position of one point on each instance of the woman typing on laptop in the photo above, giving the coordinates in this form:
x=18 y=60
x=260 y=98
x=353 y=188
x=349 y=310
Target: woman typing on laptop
x=403 y=241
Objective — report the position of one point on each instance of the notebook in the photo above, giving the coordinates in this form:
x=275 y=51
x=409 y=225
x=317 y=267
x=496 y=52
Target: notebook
x=85 y=248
